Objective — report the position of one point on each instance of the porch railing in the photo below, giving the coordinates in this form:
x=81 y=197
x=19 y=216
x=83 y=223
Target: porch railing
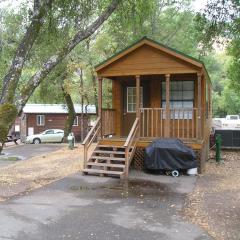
x=183 y=123
x=108 y=122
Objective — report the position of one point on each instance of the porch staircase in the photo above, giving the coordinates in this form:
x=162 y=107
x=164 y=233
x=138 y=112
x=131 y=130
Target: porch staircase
x=107 y=160
x=110 y=159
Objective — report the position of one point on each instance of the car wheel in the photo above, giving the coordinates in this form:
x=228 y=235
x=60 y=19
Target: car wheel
x=36 y=141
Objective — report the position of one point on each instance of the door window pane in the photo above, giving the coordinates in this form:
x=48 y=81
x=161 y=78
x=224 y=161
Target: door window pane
x=131 y=99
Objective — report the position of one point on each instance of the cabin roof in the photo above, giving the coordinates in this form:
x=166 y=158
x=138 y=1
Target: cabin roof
x=157 y=45
x=57 y=108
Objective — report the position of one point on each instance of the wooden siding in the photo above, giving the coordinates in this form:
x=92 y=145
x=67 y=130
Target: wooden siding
x=117 y=105
x=147 y=60
x=155 y=93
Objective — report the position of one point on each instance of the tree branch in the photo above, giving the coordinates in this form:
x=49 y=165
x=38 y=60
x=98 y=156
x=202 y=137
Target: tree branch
x=50 y=64
x=12 y=78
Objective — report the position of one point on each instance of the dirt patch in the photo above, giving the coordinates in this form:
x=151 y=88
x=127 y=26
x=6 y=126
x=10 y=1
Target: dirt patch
x=214 y=204
x=33 y=173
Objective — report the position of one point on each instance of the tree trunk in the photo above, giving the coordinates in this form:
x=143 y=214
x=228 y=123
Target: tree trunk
x=82 y=104
x=54 y=60
x=95 y=89
x=1 y=147
x=11 y=80
x=71 y=113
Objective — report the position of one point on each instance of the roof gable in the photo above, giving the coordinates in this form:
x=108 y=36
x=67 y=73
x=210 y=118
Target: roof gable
x=147 y=60
x=172 y=53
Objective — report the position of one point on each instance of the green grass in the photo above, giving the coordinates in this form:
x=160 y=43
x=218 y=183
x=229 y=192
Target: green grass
x=11 y=158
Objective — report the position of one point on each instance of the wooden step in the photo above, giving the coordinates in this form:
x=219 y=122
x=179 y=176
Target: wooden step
x=109 y=146
x=99 y=171
x=107 y=158
x=108 y=152
x=105 y=165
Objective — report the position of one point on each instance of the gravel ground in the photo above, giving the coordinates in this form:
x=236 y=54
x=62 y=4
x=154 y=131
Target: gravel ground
x=38 y=171
x=214 y=204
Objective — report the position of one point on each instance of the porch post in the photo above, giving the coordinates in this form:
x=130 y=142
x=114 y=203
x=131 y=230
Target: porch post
x=100 y=102
x=138 y=101
x=138 y=96
x=167 y=125
x=199 y=117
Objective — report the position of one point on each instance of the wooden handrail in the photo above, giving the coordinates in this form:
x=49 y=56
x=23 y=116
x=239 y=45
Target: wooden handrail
x=90 y=138
x=130 y=135
x=133 y=135
x=91 y=131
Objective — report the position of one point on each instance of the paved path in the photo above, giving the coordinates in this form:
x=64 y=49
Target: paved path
x=27 y=151
x=86 y=207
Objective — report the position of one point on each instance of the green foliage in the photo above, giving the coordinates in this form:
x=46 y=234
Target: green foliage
x=234 y=67
x=8 y=113
x=172 y=23
x=220 y=23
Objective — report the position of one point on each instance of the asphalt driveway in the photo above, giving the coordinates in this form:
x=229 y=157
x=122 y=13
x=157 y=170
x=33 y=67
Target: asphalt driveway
x=86 y=207
x=26 y=151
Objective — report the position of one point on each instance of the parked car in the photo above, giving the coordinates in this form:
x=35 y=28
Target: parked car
x=48 y=136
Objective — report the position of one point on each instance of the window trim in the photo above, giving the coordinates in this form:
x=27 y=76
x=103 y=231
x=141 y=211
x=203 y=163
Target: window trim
x=141 y=99
x=41 y=123
x=75 y=125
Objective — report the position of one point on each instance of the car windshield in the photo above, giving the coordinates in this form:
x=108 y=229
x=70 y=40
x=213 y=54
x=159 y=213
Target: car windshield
x=233 y=117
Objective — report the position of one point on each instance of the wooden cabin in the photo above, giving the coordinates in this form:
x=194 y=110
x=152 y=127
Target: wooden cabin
x=157 y=92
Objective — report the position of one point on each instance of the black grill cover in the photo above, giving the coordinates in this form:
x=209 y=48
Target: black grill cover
x=169 y=154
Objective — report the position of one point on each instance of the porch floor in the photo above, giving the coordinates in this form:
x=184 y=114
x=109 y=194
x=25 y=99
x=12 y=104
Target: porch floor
x=144 y=142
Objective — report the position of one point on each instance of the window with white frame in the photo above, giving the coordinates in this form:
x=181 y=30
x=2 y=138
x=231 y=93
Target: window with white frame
x=40 y=120
x=75 y=122
x=131 y=99
x=181 y=96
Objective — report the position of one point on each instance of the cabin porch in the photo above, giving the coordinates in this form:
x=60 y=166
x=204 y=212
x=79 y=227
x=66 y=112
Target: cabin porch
x=157 y=92
x=121 y=132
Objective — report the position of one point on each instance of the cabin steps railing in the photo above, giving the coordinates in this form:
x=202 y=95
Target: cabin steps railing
x=110 y=160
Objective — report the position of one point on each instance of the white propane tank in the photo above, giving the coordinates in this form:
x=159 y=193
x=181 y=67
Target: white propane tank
x=70 y=137
x=192 y=171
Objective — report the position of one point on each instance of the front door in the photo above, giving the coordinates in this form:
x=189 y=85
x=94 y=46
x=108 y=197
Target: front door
x=129 y=106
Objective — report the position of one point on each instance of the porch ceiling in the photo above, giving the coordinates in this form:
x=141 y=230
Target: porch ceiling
x=160 y=77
